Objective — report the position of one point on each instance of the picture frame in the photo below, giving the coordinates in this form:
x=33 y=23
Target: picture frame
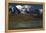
x=20 y=30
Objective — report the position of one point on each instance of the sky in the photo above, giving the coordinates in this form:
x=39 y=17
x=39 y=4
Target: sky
x=34 y=6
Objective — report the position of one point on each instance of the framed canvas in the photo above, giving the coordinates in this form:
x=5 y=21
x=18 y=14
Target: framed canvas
x=24 y=16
